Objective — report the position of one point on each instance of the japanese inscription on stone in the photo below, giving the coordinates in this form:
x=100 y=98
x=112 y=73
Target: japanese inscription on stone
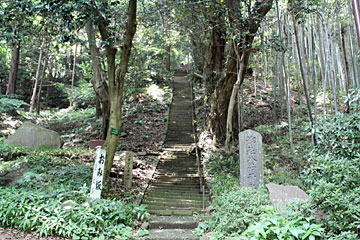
x=98 y=173
x=251 y=160
x=128 y=175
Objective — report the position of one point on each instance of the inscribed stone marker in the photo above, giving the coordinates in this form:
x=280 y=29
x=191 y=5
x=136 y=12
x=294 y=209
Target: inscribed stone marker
x=128 y=169
x=251 y=159
x=98 y=173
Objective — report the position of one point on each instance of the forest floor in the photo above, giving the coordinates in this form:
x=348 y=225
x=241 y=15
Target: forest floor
x=143 y=132
x=144 y=129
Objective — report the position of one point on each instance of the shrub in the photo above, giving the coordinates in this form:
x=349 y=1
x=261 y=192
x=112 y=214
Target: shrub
x=334 y=177
x=338 y=135
x=35 y=203
x=275 y=226
x=235 y=207
x=7 y=104
x=223 y=163
x=42 y=212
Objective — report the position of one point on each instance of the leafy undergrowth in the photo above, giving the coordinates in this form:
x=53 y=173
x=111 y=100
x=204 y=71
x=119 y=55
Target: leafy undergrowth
x=54 y=177
x=234 y=208
x=52 y=198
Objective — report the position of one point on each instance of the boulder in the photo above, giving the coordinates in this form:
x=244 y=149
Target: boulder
x=279 y=193
x=31 y=135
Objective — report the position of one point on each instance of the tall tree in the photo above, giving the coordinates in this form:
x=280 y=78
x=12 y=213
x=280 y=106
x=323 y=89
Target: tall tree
x=14 y=66
x=116 y=78
x=98 y=80
x=223 y=91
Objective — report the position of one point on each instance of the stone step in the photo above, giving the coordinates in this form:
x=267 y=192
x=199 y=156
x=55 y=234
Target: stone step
x=183 y=159
x=177 y=148
x=171 y=234
x=175 y=180
x=175 y=201
x=175 y=166
x=177 y=175
x=179 y=169
x=159 y=184
x=181 y=204
x=177 y=172
x=196 y=197
x=178 y=163
x=174 y=208
x=174 y=212
x=176 y=184
x=175 y=189
x=177 y=196
x=173 y=222
x=178 y=189
x=175 y=192
x=188 y=160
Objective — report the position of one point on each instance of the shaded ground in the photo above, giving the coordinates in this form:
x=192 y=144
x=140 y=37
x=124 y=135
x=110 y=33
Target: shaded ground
x=15 y=234
x=143 y=132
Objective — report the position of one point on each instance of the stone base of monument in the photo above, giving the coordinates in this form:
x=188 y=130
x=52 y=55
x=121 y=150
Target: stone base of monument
x=95 y=143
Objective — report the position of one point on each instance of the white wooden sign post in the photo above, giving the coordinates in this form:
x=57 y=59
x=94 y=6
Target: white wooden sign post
x=98 y=173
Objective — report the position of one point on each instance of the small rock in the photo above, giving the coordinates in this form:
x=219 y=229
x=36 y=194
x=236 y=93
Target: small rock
x=145 y=225
x=141 y=153
x=67 y=205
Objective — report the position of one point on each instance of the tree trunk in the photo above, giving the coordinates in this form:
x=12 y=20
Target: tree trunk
x=356 y=12
x=347 y=71
x=329 y=47
x=73 y=76
x=49 y=82
x=14 y=66
x=303 y=74
x=168 y=57
x=98 y=113
x=223 y=91
x=100 y=86
x=117 y=85
x=36 y=81
x=214 y=65
x=38 y=98
x=230 y=112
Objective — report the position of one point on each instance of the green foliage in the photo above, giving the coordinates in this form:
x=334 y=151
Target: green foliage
x=338 y=135
x=223 y=163
x=334 y=176
x=10 y=152
x=7 y=103
x=275 y=226
x=335 y=189
x=42 y=212
x=82 y=96
x=353 y=99
x=235 y=208
x=36 y=203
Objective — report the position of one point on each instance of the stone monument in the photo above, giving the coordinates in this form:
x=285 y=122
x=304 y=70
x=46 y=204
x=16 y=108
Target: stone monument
x=251 y=159
x=128 y=175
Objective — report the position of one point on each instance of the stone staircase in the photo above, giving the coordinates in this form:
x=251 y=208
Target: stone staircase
x=173 y=198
